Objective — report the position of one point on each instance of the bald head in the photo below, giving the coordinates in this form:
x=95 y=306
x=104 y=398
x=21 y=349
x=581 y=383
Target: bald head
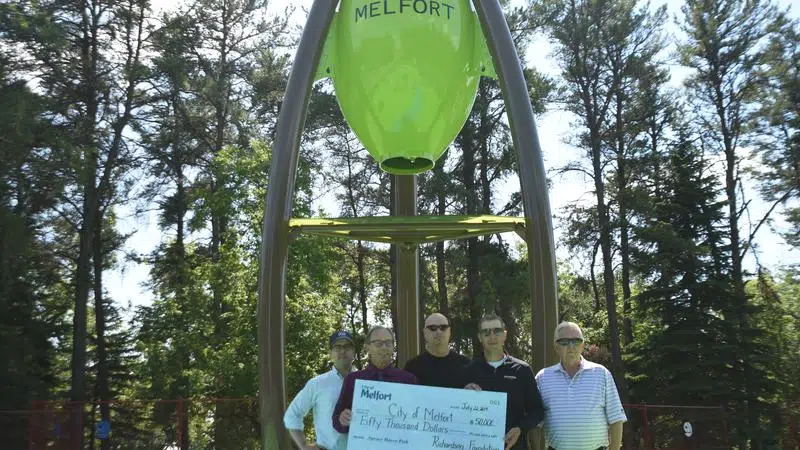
x=437 y=334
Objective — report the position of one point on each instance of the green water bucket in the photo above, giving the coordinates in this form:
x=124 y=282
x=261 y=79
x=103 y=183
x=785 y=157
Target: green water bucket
x=405 y=74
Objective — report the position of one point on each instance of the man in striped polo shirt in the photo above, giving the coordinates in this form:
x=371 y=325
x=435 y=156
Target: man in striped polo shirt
x=582 y=406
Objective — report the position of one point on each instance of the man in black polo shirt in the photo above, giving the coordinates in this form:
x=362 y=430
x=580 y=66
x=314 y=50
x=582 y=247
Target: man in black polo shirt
x=437 y=365
x=499 y=372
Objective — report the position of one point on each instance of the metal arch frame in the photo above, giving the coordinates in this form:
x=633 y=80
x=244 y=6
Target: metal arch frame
x=279 y=199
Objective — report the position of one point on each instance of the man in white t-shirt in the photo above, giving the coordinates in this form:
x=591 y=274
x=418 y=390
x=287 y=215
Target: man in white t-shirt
x=320 y=394
x=582 y=406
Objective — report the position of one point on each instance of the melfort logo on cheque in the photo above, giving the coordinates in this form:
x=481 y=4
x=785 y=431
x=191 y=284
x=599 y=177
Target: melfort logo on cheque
x=372 y=393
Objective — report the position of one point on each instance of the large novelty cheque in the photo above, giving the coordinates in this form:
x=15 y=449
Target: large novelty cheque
x=405 y=416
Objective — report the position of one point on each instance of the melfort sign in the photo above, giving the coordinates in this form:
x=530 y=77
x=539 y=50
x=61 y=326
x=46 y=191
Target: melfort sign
x=405 y=74
x=389 y=7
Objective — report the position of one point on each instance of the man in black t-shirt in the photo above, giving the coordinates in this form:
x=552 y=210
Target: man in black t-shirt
x=437 y=365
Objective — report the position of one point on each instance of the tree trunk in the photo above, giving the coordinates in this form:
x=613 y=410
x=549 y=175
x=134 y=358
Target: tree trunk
x=624 y=228
x=180 y=249
x=218 y=220
x=731 y=179
x=79 y=320
x=220 y=324
x=441 y=269
x=89 y=58
x=608 y=269
x=441 y=280
x=102 y=386
x=104 y=193
x=473 y=290
x=471 y=207
x=512 y=343
x=625 y=250
x=595 y=289
x=362 y=285
x=216 y=286
x=654 y=131
x=360 y=249
x=737 y=276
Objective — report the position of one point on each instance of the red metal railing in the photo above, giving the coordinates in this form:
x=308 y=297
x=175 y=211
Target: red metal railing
x=662 y=427
x=145 y=424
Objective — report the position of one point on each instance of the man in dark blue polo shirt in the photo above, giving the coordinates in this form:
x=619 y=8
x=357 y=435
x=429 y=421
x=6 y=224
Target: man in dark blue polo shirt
x=498 y=371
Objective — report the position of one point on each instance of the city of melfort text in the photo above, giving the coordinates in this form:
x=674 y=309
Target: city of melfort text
x=388 y=7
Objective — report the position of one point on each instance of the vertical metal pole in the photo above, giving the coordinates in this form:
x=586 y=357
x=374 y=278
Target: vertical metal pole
x=727 y=436
x=648 y=440
x=179 y=429
x=408 y=308
x=32 y=415
x=277 y=212
x=533 y=180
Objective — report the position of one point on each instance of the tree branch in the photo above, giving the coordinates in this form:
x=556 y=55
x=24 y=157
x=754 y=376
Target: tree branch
x=782 y=199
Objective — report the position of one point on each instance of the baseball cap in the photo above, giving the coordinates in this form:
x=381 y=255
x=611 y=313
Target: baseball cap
x=341 y=334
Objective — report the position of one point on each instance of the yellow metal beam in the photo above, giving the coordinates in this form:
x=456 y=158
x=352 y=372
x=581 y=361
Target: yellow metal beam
x=410 y=230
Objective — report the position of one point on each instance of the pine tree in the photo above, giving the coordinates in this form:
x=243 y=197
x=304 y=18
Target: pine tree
x=604 y=48
x=33 y=299
x=86 y=59
x=687 y=297
x=687 y=292
x=777 y=123
x=777 y=301
x=724 y=47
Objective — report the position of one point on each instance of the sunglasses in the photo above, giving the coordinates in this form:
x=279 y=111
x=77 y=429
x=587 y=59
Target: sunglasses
x=437 y=327
x=381 y=344
x=569 y=342
x=489 y=331
x=342 y=348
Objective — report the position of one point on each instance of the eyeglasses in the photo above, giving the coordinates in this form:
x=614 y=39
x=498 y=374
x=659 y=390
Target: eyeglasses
x=489 y=331
x=437 y=327
x=380 y=344
x=342 y=348
x=569 y=342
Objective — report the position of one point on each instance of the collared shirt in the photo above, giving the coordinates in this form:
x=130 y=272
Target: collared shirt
x=438 y=371
x=513 y=376
x=388 y=374
x=578 y=410
x=319 y=394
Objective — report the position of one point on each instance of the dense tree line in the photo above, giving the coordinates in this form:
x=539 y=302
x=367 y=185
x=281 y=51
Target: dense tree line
x=109 y=106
